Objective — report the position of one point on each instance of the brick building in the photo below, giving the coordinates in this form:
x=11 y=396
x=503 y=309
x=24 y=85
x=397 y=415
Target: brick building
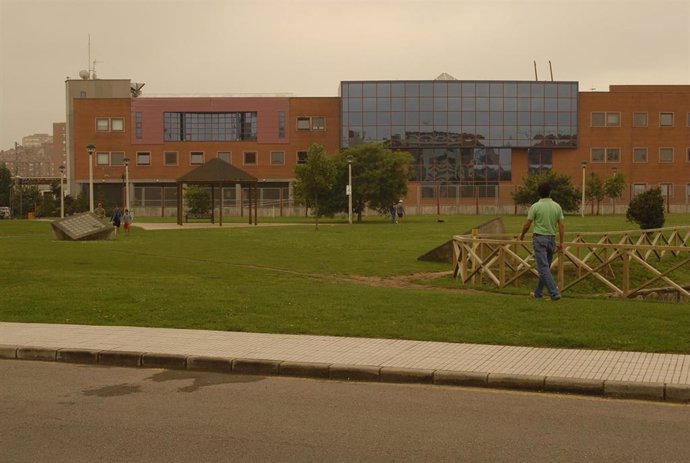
x=472 y=141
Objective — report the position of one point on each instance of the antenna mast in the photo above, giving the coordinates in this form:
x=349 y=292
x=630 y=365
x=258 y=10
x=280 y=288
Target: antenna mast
x=551 y=70
x=535 y=71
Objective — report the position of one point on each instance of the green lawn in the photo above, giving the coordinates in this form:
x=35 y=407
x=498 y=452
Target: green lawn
x=294 y=279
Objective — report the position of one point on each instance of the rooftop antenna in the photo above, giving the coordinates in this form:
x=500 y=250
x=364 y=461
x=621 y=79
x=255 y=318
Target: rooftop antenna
x=535 y=71
x=551 y=70
x=92 y=64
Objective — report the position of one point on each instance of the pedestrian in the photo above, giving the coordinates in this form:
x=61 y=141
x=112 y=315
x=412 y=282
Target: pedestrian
x=547 y=216
x=391 y=211
x=100 y=212
x=127 y=219
x=399 y=210
x=116 y=219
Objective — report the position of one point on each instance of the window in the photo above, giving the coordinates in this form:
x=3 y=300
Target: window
x=139 y=125
x=606 y=155
x=687 y=155
x=638 y=188
x=117 y=159
x=312 y=123
x=117 y=124
x=687 y=192
x=301 y=157
x=687 y=121
x=613 y=155
x=249 y=158
x=281 y=124
x=225 y=156
x=639 y=154
x=170 y=158
x=196 y=158
x=102 y=124
x=665 y=154
x=303 y=123
x=318 y=123
x=666 y=190
x=600 y=119
x=640 y=120
x=210 y=126
x=277 y=158
x=103 y=159
x=598 y=154
x=665 y=119
x=613 y=119
x=143 y=158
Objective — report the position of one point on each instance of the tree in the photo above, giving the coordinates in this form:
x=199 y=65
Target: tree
x=5 y=185
x=198 y=199
x=647 y=209
x=562 y=190
x=379 y=179
x=613 y=188
x=315 y=179
x=594 y=190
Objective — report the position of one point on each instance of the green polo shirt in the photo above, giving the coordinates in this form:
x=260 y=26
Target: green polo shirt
x=545 y=214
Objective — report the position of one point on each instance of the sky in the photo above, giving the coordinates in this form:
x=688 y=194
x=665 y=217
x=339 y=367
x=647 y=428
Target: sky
x=306 y=47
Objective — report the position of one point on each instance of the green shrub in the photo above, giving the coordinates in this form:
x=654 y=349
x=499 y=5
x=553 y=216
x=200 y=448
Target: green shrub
x=647 y=209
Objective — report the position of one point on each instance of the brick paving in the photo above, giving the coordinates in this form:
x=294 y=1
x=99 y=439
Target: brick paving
x=635 y=367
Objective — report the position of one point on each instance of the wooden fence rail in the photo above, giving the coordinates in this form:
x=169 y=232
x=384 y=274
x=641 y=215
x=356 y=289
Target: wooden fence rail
x=627 y=263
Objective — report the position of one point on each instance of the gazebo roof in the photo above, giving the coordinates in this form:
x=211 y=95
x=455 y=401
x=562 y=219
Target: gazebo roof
x=216 y=171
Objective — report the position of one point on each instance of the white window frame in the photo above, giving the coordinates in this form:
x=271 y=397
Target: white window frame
x=165 y=158
x=121 y=122
x=194 y=154
x=101 y=121
x=666 y=190
x=244 y=158
x=303 y=123
x=221 y=155
x=301 y=161
x=646 y=155
x=666 y=149
x=117 y=158
x=603 y=155
x=321 y=126
x=636 y=186
x=666 y=113
x=282 y=158
x=141 y=156
x=646 y=119
x=103 y=158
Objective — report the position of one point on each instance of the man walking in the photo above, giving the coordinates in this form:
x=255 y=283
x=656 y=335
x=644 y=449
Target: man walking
x=547 y=215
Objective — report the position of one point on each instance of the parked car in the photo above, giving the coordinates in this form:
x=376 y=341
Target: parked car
x=5 y=212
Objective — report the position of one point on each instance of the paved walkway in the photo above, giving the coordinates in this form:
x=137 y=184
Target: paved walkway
x=608 y=373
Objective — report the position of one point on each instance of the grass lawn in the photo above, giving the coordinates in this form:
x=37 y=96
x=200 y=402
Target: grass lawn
x=339 y=280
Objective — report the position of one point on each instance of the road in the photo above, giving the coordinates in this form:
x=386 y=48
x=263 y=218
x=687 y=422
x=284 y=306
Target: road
x=76 y=413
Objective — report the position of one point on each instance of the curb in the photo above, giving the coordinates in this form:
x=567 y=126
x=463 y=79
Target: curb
x=658 y=392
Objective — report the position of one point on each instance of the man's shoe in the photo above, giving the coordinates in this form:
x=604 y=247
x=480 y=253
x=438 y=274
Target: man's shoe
x=556 y=298
x=533 y=296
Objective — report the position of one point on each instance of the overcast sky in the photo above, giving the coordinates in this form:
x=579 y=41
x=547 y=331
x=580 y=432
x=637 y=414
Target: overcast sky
x=306 y=47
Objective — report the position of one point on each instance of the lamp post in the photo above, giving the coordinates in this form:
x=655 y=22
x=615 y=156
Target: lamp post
x=62 y=192
x=584 y=168
x=349 y=189
x=126 y=161
x=613 y=198
x=90 y=149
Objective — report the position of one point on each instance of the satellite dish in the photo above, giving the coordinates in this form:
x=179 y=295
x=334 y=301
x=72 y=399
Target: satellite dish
x=84 y=74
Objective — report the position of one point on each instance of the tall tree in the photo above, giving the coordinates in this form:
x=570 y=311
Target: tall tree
x=562 y=190
x=315 y=180
x=594 y=190
x=5 y=185
x=379 y=179
x=613 y=187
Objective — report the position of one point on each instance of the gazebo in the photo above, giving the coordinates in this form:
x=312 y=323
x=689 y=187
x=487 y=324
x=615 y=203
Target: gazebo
x=218 y=173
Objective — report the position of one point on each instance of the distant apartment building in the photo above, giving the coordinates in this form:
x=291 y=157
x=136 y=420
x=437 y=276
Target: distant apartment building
x=59 y=147
x=472 y=142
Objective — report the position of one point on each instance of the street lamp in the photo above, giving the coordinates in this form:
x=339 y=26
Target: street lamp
x=62 y=193
x=90 y=149
x=584 y=168
x=613 y=198
x=349 y=189
x=126 y=161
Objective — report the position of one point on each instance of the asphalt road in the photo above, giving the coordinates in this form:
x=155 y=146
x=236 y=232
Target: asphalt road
x=72 y=413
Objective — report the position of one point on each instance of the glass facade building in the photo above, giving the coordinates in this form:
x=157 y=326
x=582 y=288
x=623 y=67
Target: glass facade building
x=461 y=131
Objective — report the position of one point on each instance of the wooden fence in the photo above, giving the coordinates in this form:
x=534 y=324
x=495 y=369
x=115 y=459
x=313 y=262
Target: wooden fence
x=626 y=263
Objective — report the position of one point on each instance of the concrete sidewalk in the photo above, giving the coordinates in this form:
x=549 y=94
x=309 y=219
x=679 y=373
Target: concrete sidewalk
x=635 y=375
